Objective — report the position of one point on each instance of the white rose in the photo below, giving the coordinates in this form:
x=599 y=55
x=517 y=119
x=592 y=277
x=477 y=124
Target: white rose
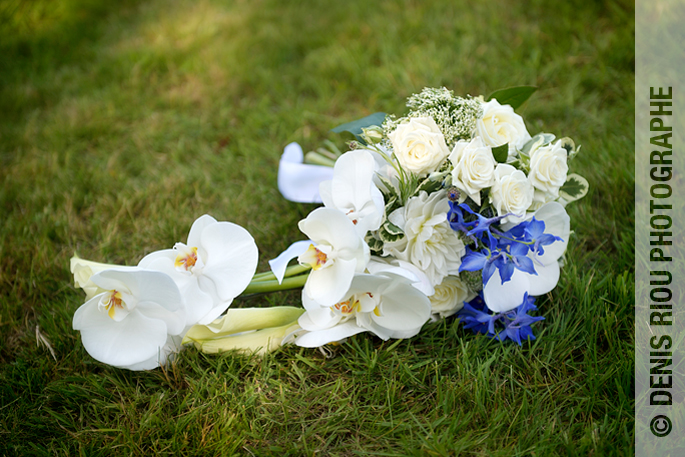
x=449 y=296
x=428 y=242
x=419 y=145
x=511 y=193
x=500 y=125
x=548 y=170
x=474 y=167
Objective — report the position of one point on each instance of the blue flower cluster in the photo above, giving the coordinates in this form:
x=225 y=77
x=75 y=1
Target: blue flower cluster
x=513 y=325
x=494 y=249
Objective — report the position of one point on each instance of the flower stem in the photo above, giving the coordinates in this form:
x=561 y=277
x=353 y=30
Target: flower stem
x=290 y=271
x=293 y=282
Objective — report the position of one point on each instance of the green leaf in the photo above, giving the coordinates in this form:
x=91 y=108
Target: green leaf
x=538 y=140
x=570 y=146
x=501 y=153
x=513 y=96
x=386 y=236
x=355 y=127
x=429 y=185
x=392 y=228
x=574 y=188
x=375 y=244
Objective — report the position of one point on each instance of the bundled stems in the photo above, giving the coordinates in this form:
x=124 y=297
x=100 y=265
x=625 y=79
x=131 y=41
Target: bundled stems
x=295 y=277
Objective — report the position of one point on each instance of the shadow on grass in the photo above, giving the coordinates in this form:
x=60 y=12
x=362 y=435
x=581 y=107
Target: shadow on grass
x=39 y=37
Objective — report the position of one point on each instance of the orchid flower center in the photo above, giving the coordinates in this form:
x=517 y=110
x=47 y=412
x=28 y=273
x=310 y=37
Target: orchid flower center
x=353 y=217
x=346 y=308
x=112 y=302
x=316 y=258
x=186 y=258
x=358 y=303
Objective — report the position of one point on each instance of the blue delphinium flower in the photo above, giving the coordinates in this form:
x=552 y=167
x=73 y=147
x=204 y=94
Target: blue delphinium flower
x=476 y=229
x=513 y=325
x=505 y=251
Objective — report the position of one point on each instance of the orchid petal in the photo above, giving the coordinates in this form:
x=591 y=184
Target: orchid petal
x=195 y=233
x=558 y=223
x=319 y=318
x=405 y=309
x=504 y=297
x=327 y=286
x=320 y=337
x=231 y=258
x=135 y=339
x=199 y=303
x=546 y=279
x=331 y=226
x=353 y=191
x=280 y=263
x=167 y=352
x=418 y=278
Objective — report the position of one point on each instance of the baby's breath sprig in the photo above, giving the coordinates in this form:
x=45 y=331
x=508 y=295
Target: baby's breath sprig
x=456 y=116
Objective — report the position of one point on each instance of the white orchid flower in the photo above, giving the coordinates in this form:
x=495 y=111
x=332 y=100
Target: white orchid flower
x=136 y=323
x=337 y=252
x=353 y=191
x=213 y=268
x=385 y=305
x=504 y=297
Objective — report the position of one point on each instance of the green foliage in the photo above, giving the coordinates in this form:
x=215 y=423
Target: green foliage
x=501 y=152
x=122 y=122
x=574 y=188
x=355 y=127
x=513 y=96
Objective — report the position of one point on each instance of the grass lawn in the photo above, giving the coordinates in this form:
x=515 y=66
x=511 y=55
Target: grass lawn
x=122 y=122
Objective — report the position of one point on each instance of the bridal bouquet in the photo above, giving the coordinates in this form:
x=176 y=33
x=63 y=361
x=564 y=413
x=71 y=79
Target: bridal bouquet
x=453 y=208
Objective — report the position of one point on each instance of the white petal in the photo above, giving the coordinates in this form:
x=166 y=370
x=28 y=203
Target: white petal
x=558 y=223
x=213 y=314
x=199 y=304
x=405 y=269
x=546 y=279
x=299 y=182
x=280 y=263
x=159 y=260
x=331 y=226
x=121 y=344
x=328 y=286
x=319 y=319
x=403 y=308
x=321 y=337
x=231 y=258
x=195 y=234
x=155 y=293
x=170 y=348
x=326 y=193
x=504 y=297
x=353 y=191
